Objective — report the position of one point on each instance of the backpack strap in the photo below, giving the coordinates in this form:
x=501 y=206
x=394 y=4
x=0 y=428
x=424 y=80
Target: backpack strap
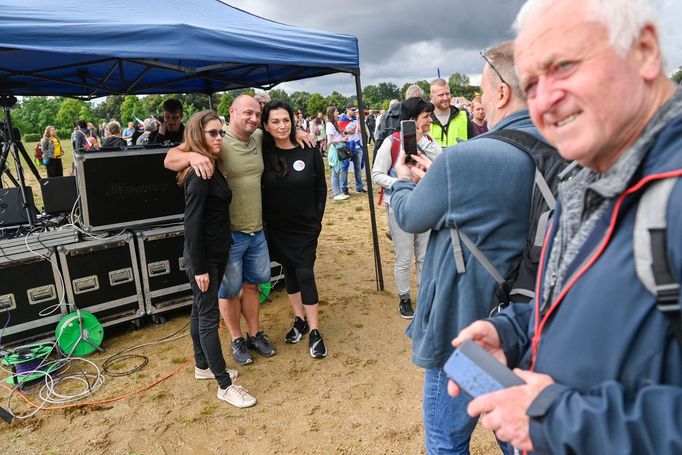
x=651 y=253
x=395 y=148
x=456 y=235
x=526 y=142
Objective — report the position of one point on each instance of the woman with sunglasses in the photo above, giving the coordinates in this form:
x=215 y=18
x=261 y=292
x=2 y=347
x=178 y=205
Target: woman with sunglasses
x=207 y=241
x=294 y=196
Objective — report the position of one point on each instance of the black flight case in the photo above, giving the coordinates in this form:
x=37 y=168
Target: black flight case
x=164 y=279
x=101 y=277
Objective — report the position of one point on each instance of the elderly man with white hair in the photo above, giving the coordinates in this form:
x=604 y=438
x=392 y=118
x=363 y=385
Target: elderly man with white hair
x=600 y=350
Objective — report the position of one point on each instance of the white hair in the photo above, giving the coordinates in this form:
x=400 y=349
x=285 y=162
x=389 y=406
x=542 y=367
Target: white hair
x=623 y=19
x=414 y=91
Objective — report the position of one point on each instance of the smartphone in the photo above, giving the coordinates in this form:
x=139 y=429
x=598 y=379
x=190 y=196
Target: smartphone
x=408 y=136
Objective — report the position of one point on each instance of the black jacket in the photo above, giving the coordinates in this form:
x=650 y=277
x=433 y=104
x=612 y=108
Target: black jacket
x=207 y=219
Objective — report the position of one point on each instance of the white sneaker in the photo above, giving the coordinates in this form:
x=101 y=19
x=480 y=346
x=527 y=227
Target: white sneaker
x=237 y=396
x=341 y=197
x=207 y=374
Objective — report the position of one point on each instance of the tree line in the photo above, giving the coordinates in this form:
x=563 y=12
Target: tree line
x=33 y=114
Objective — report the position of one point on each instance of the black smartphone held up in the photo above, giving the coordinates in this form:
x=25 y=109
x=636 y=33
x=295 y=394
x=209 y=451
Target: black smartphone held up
x=408 y=138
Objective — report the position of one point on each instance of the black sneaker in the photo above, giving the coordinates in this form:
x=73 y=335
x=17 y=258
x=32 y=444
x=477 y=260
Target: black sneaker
x=240 y=352
x=406 y=311
x=297 y=331
x=316 y=344
x=346 y=192
x=261 y=344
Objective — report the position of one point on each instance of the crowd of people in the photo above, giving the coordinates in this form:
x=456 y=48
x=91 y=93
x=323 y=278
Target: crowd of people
x=599 y=347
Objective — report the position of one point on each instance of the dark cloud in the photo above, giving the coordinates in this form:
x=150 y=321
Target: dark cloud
x=408 y=41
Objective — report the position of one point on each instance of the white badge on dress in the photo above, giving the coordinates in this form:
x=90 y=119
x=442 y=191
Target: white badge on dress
x=299 y=165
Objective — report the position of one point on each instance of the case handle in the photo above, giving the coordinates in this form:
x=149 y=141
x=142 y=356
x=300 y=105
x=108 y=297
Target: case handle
x=41 y=294
x=85 y=284
x=120 y=276
x=158 y=268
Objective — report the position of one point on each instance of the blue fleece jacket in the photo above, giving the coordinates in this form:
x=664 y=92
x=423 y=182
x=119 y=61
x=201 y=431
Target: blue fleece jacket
x=484 y=188
x=617 y=366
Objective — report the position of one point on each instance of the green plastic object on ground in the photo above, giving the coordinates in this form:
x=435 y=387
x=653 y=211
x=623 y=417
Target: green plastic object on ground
x=264 y=291
x=33 y=354
x=79 y=340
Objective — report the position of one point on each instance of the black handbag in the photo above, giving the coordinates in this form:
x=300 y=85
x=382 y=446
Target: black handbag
x=343 y=152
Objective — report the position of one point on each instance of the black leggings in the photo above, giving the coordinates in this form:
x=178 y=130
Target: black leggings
x=204 y=321
x=301 y=280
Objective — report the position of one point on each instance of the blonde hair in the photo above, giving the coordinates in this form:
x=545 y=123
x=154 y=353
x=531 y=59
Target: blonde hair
x=194 y=139
x=47 y=130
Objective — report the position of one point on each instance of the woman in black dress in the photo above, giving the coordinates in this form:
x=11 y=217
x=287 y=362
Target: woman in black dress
x=207 y=241
x=294 y=195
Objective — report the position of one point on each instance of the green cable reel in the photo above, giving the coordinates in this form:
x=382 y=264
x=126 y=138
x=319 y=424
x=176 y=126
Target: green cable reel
x=26 y=359
x=79 y=334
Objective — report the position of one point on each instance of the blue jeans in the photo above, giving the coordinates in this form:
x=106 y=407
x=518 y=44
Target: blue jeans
x=447 y=426
x=357 y=170
x=248 y=262
x=337 y=178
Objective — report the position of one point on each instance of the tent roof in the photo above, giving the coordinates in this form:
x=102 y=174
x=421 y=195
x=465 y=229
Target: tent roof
x=91 y=49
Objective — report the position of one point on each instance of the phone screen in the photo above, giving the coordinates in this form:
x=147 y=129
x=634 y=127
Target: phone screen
x=408 y=136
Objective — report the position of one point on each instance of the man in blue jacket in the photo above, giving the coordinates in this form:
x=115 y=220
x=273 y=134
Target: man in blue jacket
x=602 y=367
x=483 y=187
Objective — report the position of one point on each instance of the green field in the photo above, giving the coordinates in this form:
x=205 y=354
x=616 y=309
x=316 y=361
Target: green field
x=31 y=181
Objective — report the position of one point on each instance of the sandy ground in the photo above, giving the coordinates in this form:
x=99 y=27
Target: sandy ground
x=364 y=398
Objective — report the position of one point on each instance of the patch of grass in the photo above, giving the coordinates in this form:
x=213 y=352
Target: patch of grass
x=209 y=409
x=178 y=359
x=350 y=218
x=358 y=325
x=359 y=208
x=330 y=223
x=159 y=395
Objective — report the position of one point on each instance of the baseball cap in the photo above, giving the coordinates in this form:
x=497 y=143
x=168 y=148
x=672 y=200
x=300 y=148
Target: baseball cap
x=350 y=106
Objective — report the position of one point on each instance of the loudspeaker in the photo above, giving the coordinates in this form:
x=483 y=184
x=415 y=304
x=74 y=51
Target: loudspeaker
x=12 y=211
x=59 y=194
x=127 y=188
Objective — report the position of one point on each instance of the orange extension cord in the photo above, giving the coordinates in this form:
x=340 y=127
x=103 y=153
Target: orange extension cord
x=108 y=400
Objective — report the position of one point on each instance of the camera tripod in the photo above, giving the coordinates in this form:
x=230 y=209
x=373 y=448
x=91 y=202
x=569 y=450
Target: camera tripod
x=10 y=142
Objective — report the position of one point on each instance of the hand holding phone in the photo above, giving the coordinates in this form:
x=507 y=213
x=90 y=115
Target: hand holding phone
x=477 y=372
x=408 y=139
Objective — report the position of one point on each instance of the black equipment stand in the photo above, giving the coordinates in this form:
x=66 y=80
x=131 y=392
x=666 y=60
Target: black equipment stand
x=10 y=142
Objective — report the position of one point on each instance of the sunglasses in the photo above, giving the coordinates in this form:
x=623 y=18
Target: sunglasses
x=215 y=133
x=483 y=54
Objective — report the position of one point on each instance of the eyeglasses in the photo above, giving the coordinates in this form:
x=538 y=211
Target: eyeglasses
x=215 y=133
x=483 y=54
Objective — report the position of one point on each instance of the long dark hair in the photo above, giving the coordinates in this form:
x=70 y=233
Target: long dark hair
x=332 y=118
x=273 y=158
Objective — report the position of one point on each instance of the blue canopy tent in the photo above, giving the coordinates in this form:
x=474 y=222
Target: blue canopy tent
x=88 y=50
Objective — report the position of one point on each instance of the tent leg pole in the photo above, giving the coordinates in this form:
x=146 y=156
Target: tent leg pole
x=370 y=191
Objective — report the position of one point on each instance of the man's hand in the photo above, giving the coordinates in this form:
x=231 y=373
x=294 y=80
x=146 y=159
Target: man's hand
x=505 y=410
x=304 y=139
x=413 y=171
x=402 y=169
x=202 y=165
x=202 y=282
x=484 y=334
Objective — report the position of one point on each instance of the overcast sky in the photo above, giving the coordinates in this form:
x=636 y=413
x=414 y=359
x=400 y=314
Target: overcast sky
x=406 y=41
